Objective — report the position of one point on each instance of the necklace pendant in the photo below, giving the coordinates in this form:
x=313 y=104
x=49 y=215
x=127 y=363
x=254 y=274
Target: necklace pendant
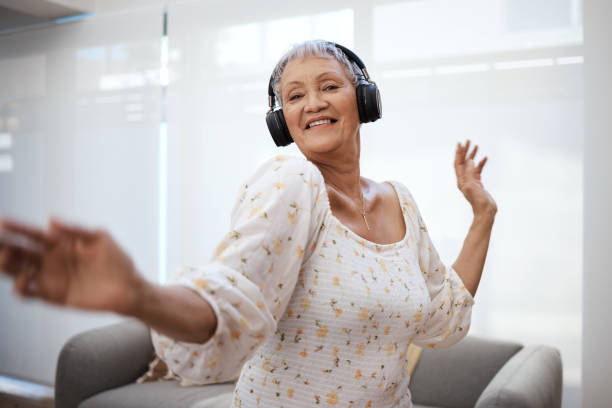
x=366 y=222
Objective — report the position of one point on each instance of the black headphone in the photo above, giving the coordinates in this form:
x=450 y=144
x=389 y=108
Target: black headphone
x=368 y=102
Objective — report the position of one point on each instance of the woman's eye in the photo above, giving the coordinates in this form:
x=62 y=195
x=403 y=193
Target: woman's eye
x=294 y=97
x=330 y=87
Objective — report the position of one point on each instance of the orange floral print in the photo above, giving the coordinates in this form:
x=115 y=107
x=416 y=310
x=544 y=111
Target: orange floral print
x=332 y=398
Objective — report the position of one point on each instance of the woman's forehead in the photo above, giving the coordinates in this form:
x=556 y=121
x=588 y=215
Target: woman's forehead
x=308 y=68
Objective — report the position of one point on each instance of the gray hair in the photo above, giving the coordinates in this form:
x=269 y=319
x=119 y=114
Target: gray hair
x=314 y=48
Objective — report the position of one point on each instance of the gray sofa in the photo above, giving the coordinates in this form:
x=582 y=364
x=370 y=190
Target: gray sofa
x=98 y=368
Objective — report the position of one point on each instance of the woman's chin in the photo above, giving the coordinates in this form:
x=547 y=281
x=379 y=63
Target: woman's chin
x=322 y=143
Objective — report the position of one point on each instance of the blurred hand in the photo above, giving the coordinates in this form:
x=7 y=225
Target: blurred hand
x=469 y=180
x=69 y=266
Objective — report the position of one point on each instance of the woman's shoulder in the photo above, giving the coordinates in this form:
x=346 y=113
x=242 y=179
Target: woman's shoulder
x=289 y=169
x=406 y=200
x=402 y=191
x=289 y=162
x=285 y=178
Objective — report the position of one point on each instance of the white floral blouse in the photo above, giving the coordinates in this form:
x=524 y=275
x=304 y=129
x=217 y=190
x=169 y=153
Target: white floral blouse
x=309 y=313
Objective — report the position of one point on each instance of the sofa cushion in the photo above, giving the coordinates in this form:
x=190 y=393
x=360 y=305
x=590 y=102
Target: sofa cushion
x=441 y=378
x=163 y=394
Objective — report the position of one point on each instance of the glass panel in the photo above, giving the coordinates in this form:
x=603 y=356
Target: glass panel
x=81 y=106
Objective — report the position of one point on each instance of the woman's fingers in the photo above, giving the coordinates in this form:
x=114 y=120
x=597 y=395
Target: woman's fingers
x=464 y=161
x=26 y=285
x=35 y=234
x=481 y=164
x=80 y=232
x=459 y=159
x=462 y=152
x=458 y=155
x=473 y=154
x=5 y=255
x=21 y=282
x=14 y=257
x=462 y=156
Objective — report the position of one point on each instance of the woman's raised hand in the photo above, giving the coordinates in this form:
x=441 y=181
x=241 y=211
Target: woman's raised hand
x=69 y=266
x=469 y=180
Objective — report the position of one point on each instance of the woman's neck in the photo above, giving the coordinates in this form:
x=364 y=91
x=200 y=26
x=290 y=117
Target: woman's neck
x=344 y=177
x=345 y=180
x=340 y=169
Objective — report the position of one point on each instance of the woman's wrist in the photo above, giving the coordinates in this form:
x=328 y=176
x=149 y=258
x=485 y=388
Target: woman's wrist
x=140 y=293
x=485 y=213
x=176 y=311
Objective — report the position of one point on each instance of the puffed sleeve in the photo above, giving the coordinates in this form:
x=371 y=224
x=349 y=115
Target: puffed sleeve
x=449 y=313
x=254 y=269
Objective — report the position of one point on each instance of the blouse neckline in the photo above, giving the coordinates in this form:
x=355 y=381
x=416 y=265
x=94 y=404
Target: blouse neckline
x=350 y=233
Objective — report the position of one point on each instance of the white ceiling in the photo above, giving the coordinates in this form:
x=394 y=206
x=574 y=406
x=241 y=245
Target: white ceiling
x=19 y=13
x=48 y=9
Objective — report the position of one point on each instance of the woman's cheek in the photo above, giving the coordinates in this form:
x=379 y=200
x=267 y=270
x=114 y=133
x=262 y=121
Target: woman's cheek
x=292 y=120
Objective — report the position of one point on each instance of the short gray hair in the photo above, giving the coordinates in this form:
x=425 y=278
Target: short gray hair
x=314 y=48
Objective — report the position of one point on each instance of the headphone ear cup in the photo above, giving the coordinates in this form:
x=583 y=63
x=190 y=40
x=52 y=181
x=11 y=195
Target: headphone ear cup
x=368 y=102
x=278 y=128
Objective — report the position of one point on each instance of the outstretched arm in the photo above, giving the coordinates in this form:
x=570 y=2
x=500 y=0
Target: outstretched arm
x=471 y=259
x=82 y=268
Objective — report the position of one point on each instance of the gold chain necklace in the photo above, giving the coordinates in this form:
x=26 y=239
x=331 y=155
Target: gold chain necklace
x=363 y=212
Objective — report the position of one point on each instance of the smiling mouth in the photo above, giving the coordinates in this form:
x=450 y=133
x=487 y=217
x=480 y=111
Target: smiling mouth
x=320 y=122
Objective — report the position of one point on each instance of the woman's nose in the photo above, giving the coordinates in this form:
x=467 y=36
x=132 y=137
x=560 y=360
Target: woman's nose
x=314 y=102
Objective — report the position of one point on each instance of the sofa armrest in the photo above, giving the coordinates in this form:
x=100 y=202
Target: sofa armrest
x=533 y=377
x=457 y=376
x=100 y=359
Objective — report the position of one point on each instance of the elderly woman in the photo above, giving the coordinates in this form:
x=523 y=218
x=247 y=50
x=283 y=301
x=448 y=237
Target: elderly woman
x=322 y=282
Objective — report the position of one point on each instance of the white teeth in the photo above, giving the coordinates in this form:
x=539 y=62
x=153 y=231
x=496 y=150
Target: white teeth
x=319 y=122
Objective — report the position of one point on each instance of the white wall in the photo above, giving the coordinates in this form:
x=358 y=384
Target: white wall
x=597 y=324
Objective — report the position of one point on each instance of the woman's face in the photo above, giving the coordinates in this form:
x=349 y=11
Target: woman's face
x=320 y=106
